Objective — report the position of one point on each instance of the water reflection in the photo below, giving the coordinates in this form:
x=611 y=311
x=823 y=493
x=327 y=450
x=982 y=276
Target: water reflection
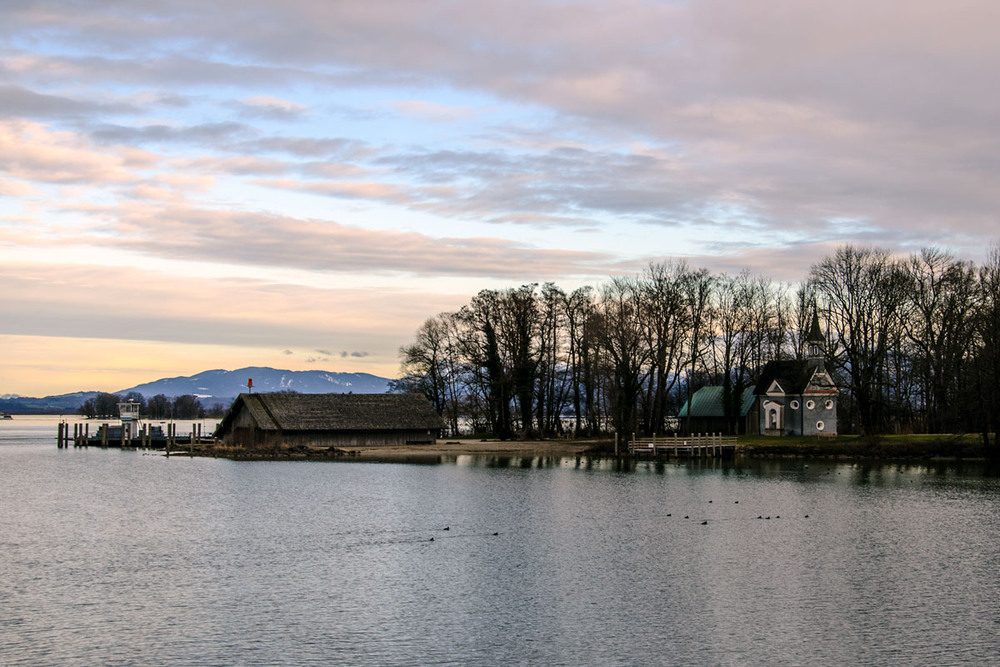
x=112 y=557
x=855 y=472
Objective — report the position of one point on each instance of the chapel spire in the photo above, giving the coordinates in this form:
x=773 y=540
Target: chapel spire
x=815 y=341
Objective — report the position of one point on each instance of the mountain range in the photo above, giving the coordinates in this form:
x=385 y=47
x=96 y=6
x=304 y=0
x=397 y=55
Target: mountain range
x=215 y=386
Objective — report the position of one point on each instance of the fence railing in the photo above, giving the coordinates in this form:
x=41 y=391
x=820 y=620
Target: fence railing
x=701 y=444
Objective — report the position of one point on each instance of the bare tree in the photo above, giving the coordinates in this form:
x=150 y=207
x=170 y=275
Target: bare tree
x=861 y=291
x=667 y=321
x=939 y=326
x=742 y=314
x=623 y=340
x=553 y=367
x=488 y=371
x=697 y=292
x=579 y=308
x=430 y=366
x=518 y=336
x=987 y=360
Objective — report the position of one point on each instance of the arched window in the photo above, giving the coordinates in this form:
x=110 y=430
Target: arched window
x=772 y=418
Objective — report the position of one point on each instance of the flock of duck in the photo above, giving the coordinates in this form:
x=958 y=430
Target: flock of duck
x=686 y=516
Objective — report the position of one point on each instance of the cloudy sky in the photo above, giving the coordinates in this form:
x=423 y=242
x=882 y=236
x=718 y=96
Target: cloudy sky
x=187 y=185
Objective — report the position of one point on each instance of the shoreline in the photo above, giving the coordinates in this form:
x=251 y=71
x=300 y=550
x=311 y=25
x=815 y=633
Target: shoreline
x=440 y=450
x=900 y=448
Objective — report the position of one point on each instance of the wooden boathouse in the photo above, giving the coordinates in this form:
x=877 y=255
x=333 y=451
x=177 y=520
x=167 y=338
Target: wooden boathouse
x=329 y=420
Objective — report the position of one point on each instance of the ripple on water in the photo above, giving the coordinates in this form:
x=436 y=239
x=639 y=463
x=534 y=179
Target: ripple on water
x=117 y=558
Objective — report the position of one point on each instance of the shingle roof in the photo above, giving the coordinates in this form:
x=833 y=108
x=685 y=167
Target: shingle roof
x=337 y=412
x=792 y=374
x=707 y=402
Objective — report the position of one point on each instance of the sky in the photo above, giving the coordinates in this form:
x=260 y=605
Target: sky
x=187 y=185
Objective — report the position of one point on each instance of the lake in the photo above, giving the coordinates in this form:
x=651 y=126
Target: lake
x=128 y=558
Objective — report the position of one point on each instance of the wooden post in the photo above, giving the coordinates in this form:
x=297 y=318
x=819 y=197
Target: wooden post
x=616 y=444
x=104 y=435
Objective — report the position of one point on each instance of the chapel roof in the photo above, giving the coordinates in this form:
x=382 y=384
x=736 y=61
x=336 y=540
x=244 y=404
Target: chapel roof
x=792 y=374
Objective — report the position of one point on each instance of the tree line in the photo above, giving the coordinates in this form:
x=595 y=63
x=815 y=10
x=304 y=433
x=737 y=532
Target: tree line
x=913 y=344
x=160 y=407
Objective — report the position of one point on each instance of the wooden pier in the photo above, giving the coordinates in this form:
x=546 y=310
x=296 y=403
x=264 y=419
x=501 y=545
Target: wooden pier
x=702 y=445
x=112 y=435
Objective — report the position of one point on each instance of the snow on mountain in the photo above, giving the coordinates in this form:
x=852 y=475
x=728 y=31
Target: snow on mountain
x=225 y=385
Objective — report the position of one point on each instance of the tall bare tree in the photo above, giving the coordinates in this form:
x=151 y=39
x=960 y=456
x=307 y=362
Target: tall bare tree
x=987 y=362
x=623 y=339
x=431 y=366
x=552 y=385
x=667 y=321
x=489 y=372
x=743 y=313
x=861 y=290
x=582 y=350
x=939 y=325
x=697 y=302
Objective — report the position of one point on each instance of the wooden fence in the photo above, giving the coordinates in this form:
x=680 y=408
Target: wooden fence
x=702 y=444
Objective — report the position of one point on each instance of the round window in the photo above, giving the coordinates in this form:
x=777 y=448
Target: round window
x=810 y=405
x=795 y=405
x=820 y=426
x=829 y=405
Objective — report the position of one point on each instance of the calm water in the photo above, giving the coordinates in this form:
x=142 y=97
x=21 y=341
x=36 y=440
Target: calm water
x=125 y=558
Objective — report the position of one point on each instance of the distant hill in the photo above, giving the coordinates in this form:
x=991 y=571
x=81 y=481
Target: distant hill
x=221 y=385
x=54 y=405
x=216 y=386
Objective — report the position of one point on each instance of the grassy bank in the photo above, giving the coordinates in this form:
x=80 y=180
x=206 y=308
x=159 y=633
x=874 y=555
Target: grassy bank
x=962 y=446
